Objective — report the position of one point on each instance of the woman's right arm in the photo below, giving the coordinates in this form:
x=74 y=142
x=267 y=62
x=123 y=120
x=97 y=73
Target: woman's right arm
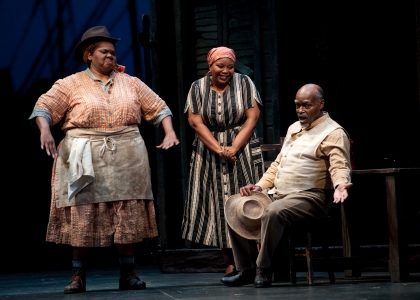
x=49 y=109
x=47 y=140
x=203 y=133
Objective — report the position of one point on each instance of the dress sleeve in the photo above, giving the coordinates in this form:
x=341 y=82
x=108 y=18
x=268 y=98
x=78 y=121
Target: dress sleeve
x=249 y=92
x=54 y=104
x=194 y=99
x=153 y=108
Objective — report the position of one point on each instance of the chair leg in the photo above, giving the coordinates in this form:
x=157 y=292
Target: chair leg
x=308 y=246
x=328 y=263
x=327 y=258
x=309 y=259
x=292 y=261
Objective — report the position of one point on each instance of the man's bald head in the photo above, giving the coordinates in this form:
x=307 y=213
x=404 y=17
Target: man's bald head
x=312 y=89
x=309 y=104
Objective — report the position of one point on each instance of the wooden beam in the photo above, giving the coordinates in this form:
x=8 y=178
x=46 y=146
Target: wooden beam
x=397 y=243
x=223 y=29
x=133 y=15
x=417 y=4
x=257 y=78
x=274 y=71
x=181 y=94
x=160 y=197
x=350 y=248
x=270 y=147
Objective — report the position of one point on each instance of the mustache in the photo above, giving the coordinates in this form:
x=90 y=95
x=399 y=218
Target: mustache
x=303 y=115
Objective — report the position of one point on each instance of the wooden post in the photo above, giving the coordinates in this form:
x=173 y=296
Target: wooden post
x=181 y=95
x=397 y=246
x=132 y=11
x=417 y=3
x=257 y=63
x=222 y=24
x=349 y=247
x=274 y=71
x=160 y=197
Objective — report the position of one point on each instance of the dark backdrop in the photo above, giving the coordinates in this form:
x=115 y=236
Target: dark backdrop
x=363 y=55
x=37 y=49
x=365 y=58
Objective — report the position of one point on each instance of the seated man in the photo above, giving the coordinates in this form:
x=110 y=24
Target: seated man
x=315 y=158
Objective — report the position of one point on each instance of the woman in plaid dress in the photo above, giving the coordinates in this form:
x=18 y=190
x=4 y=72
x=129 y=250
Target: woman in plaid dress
x=101 y=187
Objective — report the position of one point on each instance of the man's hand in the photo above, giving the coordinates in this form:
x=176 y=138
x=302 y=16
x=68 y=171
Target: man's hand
x=340 y=193
x=247 y=190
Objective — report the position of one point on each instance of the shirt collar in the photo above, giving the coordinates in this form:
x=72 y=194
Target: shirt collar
x=90 y=74
x=314 y=123
x=318 y=121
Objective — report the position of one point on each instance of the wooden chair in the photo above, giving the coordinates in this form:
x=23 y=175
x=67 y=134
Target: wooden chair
x=306 y=230
x=322 y=224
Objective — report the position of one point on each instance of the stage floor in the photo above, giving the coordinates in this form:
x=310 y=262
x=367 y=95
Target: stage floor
x=102 y=283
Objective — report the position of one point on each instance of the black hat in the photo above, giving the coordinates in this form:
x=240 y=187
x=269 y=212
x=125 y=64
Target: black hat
x=97 y=33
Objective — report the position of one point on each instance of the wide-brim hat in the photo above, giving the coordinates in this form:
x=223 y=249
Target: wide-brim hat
x=94 y=34
x=243 y=213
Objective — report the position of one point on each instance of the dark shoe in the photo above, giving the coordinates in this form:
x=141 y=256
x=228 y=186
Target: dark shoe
x=262 y=279
x=77 y=283
x=132 y=282
x=242 y=278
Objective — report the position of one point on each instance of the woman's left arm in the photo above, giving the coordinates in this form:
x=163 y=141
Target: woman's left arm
x=170 y=135
x=252 y=114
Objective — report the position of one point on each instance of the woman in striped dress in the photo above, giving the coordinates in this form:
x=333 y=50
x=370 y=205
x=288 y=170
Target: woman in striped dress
x=223 y=108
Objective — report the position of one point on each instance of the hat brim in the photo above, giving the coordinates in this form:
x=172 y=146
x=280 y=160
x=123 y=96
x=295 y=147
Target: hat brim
x=234 y=222
x=78 y=50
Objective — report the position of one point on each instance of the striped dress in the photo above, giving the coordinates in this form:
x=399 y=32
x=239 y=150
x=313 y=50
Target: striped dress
x=212 y=180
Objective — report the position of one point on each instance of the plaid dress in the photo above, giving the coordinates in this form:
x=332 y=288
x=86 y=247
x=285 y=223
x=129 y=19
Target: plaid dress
x=212 y=180
x=82 y=101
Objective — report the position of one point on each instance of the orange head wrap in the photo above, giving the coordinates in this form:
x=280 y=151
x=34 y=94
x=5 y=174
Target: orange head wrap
x=220 y=52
